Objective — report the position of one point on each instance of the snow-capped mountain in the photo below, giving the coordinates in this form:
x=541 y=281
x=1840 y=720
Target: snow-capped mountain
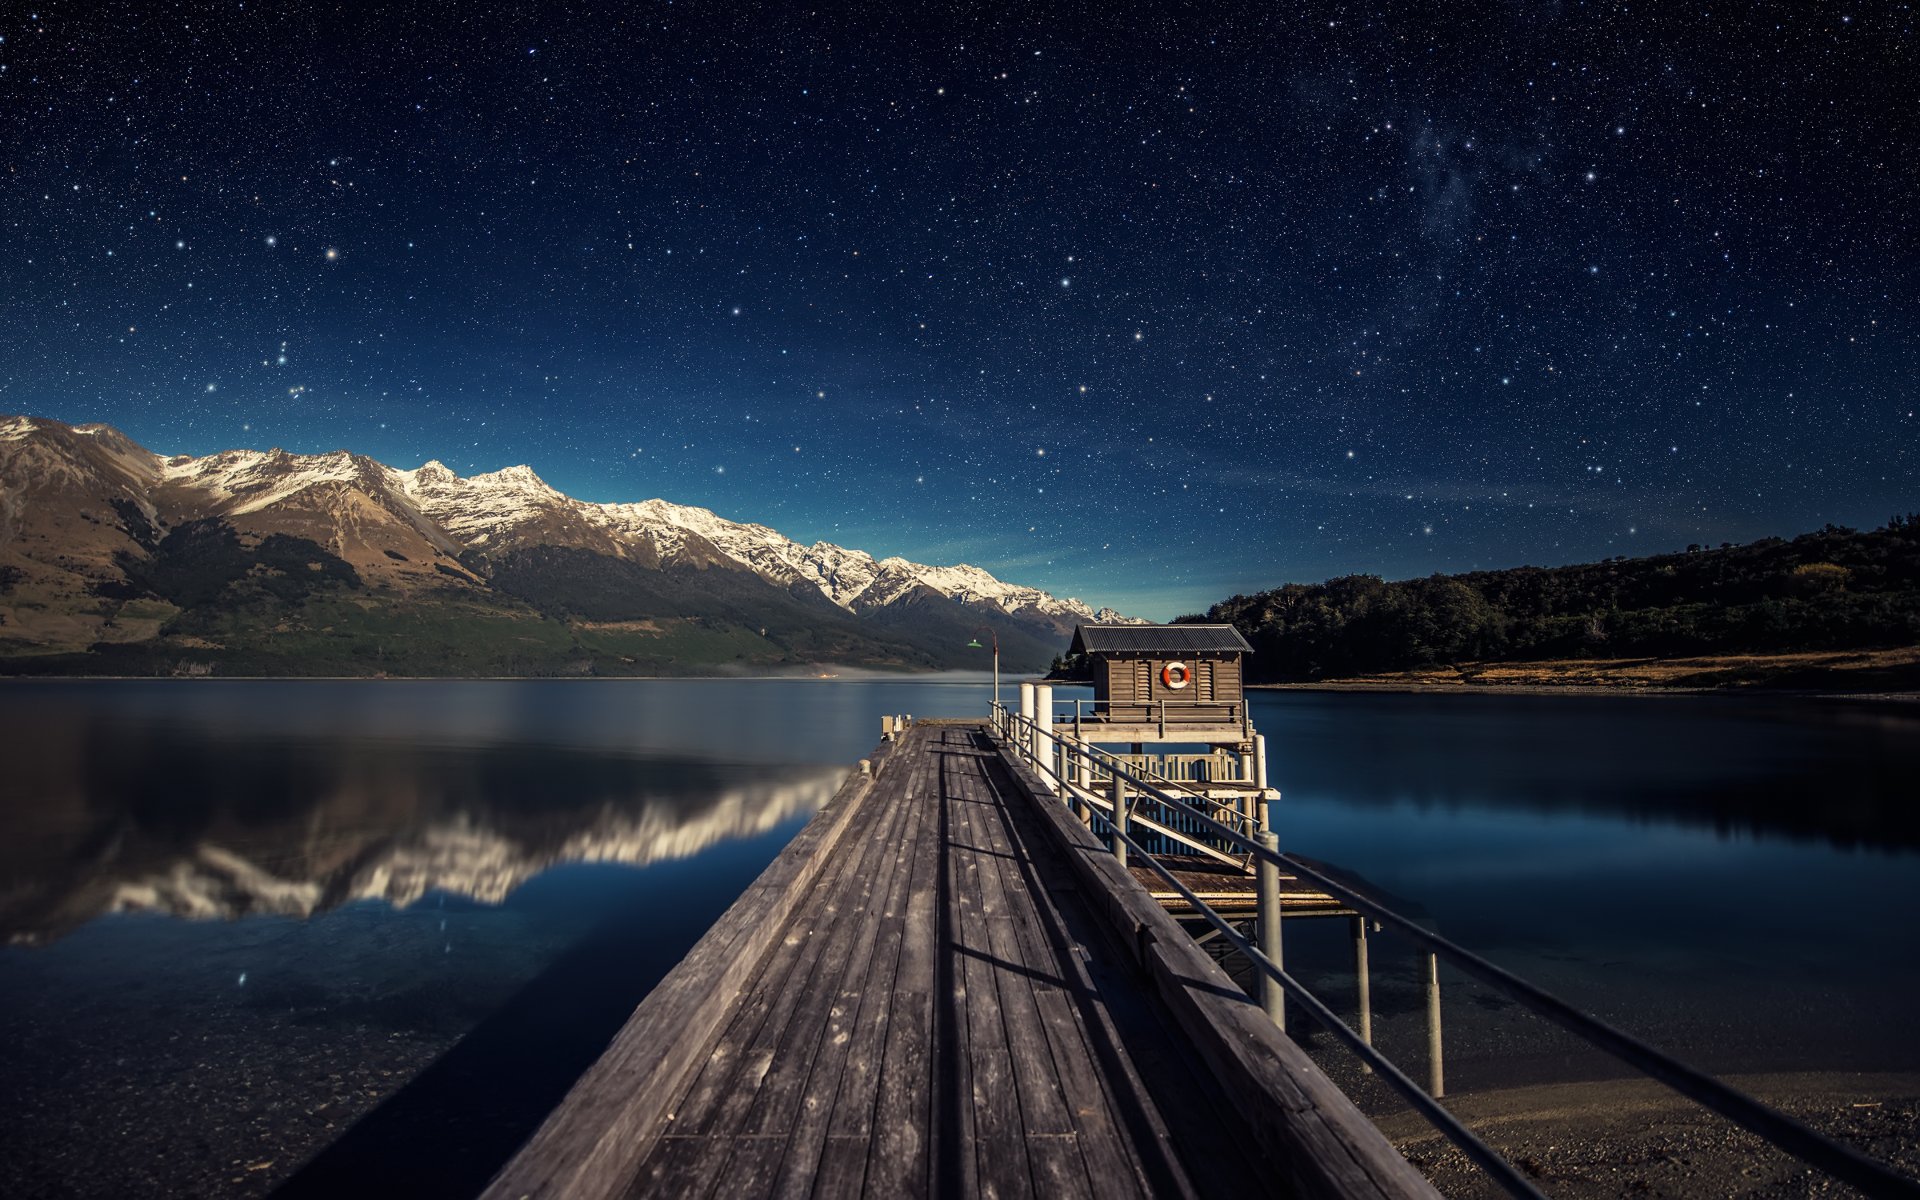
x=486 y=510
x=86 y=514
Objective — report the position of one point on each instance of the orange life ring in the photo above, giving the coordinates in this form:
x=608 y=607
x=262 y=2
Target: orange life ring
x=1176 y=675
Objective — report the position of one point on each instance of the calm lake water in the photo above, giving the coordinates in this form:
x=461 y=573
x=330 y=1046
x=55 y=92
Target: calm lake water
x=248 y=921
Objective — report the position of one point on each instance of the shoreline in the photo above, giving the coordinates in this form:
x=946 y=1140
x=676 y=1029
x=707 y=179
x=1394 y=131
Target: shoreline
x=1636 y=1137
x=929 y=676
x=1416 y=687
x=1420 y=688
x=1889 y=675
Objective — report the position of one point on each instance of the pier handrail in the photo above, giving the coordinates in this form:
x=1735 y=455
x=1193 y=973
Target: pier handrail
x=1190 y=794
x=1870 y=1176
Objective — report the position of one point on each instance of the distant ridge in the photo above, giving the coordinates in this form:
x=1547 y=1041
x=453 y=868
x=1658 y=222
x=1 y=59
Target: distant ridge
x=115 y=558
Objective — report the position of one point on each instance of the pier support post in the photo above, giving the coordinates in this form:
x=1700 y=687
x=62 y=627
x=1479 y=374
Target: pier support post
x=1436 y=1068
x=1267 y=917
x=1365 y=980
x=1260 y=761
x=1043 y=730
x=1119 y=819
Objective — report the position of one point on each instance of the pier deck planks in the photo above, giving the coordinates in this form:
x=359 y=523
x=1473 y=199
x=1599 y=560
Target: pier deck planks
x=946 y=987
x=928 y=1025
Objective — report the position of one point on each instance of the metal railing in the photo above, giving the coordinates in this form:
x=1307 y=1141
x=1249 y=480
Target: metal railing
x=1091 y=773
x=1064 y=759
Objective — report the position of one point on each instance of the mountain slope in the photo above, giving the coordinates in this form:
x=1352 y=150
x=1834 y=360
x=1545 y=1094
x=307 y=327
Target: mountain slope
x=113 y=558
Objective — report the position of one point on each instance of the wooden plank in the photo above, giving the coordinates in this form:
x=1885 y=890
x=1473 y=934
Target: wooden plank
x=776 y=1059
x=1041 y=1027
x=776 y=1035
x=842 y=1171
x=745 y=1045
x=713 y=1110
x=1022 y=1055
x=752 y=1167
x=802 y=1101
x=900 y=1157
x=1057 y=1167
x=672 y=1168
x=1116 y=1151
x=998 y=1146
x=593 y=1142
x=1043 y=1106
x=858 y=1086
x=817 y=1014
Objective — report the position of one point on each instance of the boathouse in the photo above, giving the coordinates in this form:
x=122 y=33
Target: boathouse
x=1185 y=679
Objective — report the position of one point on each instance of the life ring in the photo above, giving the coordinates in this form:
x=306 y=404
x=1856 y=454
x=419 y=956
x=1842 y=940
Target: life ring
x=1176 y=675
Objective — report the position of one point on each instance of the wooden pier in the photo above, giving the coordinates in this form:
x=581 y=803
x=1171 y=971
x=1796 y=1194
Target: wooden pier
x=946 y=986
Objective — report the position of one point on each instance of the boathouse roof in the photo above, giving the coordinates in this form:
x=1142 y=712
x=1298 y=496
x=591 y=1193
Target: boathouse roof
x=1158 y=639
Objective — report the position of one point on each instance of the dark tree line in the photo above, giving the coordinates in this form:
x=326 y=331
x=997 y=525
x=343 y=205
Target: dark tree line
x=1835 y=588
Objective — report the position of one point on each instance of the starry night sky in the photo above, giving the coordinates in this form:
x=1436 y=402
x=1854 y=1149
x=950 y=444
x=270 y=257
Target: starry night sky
x=1143 y=304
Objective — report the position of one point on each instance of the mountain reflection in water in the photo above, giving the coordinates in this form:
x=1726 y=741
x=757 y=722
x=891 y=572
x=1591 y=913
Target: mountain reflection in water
x=159 y=819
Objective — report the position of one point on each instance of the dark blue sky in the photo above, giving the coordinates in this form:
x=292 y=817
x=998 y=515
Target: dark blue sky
x=1146 y=305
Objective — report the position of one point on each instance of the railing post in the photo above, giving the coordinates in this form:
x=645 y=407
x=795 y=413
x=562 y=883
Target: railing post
x=1267 y=893
x=1083 y=779
x=1436 y=1069
x=1365 y=978
x=1022 y=742
x=1043 y=726
x=1119 y=818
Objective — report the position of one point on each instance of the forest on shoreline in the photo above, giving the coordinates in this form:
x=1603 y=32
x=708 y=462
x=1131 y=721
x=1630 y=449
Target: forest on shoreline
x=1832 y=589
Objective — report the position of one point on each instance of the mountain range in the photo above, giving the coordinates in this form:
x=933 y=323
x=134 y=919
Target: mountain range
x=118 y=560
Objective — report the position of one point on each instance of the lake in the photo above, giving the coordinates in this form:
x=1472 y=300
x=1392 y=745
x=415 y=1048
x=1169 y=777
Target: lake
x=387 y=923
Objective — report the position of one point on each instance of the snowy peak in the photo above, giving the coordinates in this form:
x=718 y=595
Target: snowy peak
x=248 y=481
x=516 y=479
x=481 y=510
